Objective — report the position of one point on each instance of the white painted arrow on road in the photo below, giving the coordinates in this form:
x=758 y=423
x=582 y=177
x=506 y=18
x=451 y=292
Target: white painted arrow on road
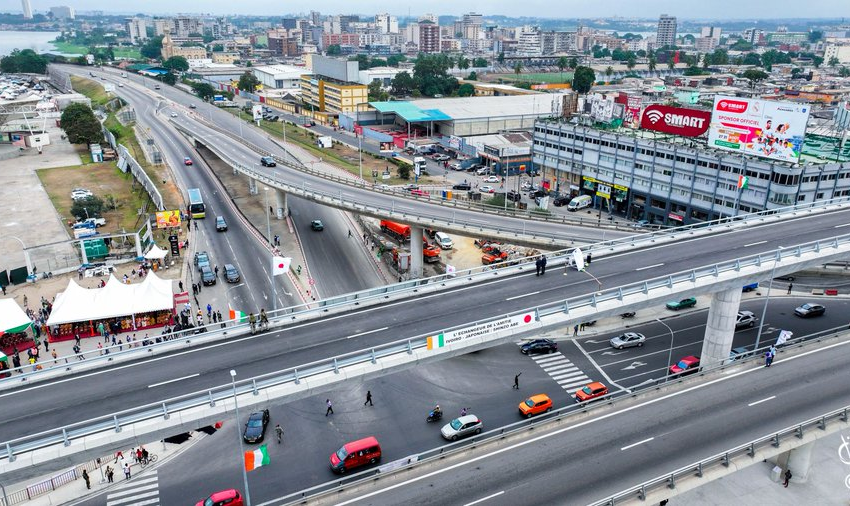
x=634 y=365
x=614 y=352
x=593 y=341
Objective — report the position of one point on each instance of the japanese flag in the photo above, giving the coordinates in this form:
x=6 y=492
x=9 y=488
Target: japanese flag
x=280 y=265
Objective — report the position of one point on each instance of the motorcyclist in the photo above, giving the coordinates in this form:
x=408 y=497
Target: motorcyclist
x=436 y=412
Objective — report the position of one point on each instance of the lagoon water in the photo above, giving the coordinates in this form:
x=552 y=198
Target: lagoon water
x=37 y=41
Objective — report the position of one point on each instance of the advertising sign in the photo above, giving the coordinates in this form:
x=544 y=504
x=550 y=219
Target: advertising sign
x=762 y=128
x=632 y=116
x=257 y=110
x=165 y=219
x=675 y=120
x=511 y=323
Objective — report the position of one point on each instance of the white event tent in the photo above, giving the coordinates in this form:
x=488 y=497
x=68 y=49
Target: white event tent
x=78 y=304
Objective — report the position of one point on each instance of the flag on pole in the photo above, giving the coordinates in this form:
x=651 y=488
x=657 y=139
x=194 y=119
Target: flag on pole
x=743 y=182
x=784 y=336
x=280 y=265
x=256 y=458
x=236 y=314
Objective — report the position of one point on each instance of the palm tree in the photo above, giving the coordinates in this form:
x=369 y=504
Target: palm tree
x=562 y=64
x=517 y=69
x=609 y=70
x=652 y=63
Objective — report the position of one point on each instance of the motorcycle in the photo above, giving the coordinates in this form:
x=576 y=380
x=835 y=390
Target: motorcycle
x=630 y=314
x=433 y=417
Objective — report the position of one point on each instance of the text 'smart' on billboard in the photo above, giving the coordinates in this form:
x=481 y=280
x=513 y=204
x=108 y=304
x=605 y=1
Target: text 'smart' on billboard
x=763 y=128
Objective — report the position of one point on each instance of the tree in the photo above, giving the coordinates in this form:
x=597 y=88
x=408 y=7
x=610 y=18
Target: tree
x=671 y=63
x=465 y=90
x=334 y=50
x=248 y=82
x=24 y=61
x=176 y=63
x=217 y=48
x=518 y=68
x=573 y=64
x=631 y=62
x=817 y=61
x=376 y=92
x=473 y=76
x=480 y=63
x=833 y=62
x=402 y=84
x=755 y=76
x=152 y=48
x=844 y=72
x=562 y=63
x=168 y=78
x=583 y=79
x=652 y=63
x=377 y=62
x=430 y=73
x=815 y=35
x=752 y=59
x=501 y=57
x=395 y=59
x=462 y=62
x=796 y=73
x=719 y=57
x=204 y=91
x=609 y=70
x=89 y=207
x=81 y=125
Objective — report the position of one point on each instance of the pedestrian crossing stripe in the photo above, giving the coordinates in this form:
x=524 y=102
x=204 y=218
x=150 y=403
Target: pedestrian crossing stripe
x=140 y=491
x=566 y=374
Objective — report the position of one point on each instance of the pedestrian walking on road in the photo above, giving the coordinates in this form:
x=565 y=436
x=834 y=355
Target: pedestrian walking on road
x=349 y=233
x=575 y=330
x=587 y=260
x=538 y=264
x=194 y=289
x=180 y=284
x=216 y=271
x=278 y=430
x=86 y=477
x=126 y=471
x=581 y=327
x=787 y=477
x=368 y=398
x=516 y=381
x=330 y=410
x=199 y=287
x=790 y=286
x=543 y=265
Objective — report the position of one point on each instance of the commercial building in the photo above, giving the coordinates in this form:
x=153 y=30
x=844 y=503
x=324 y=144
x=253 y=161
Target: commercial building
x=386 y=23
x=666 y=33
x=841 y=52
x=429 y=37
x=282 y=43
x=333 y=88
x=285 y=77
x=137 y=30
x=384 y=75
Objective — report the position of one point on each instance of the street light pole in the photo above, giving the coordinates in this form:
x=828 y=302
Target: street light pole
x=670 y=355
x=766 y=300
x=271 y=243
x=239 y=435
x=360 y=153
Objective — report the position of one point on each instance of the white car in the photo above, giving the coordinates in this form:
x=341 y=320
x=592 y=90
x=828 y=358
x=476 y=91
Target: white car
x=482 y=171
x=173 y=114
x=460 y=427
x=441 y=157
x=628 y=340
x=455 y=166
x=493 y=179
x=487 y=189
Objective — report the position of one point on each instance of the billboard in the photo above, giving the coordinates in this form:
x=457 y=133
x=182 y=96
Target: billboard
x=257 y=111
x=675 y=120
x=762 y=128
x=165 y=219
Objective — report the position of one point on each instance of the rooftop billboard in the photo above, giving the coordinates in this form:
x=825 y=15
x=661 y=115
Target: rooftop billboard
x=675 y=120
x=756 y=127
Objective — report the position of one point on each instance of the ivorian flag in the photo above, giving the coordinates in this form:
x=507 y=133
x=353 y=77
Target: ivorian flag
x=743 y=182
x=234 y=314
x=256 y=458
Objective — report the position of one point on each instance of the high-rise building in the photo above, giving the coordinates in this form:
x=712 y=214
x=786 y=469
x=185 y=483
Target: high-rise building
x=186 y=25
x=709 y=38
x=666 y=34
x=137 y=30
x=386 y=23
x=429 y=37
x=27 y=8
x=473 y=19
x=428 y=17
x=62 y=12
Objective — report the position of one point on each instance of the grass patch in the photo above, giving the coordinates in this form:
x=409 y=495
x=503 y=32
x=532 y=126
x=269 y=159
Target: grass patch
x=68 y=48
x=542 y=77
x=131 y=53
x=93 y=90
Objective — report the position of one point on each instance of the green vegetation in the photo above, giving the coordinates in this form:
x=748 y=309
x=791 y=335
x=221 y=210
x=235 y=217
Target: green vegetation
x=248 y=82
x=583 y=79
x=94 y=91
x=81 y=125
x=25 y=61
x=152 y=48
x=176 y=63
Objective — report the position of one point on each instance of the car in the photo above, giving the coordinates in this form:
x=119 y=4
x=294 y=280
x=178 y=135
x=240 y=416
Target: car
x=229 y=497
x=809 y=310
x=231 y=273
x=90 y=223
x=591 y=391
x=80 y=194
x=534 y=405
x=317 y=225
x=207 y=276
x=641 y=224
x=193 y=106
x=539 y=346
x=120 y=85
x=173 y=114
x=187 y=160
x=462 y=186
x=268 y=161
x=455 y=166
x=255 y=427
x=419 y=193
x=682 y=304
x=493 y=179
x=686 y=365
x=513 y=196
x=487 y=189
x=443 y=240
x=462 y=426
x=410 y=187
x=745 y=319
x=202 y=259
x=441 y=157
x=739 y=352
x=481 y=171
x=750 y=287
x=220 y=224
x=627 y=340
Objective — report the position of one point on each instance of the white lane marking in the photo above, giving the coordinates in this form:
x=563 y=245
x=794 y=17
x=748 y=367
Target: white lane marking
x=754 y=244
x=842 y=226
x=763 y=400
x=636 y=444
x=497 y=494
x=521 y=296
x=173 y=380
x=368 y=332
x=648 y=267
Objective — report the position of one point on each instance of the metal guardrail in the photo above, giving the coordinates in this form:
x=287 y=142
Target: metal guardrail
x=686 y=280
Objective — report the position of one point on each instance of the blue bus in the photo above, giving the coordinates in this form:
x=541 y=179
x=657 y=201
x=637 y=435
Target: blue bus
x=196 y=204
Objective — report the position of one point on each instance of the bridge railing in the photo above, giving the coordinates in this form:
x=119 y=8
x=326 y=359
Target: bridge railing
x=570 y=309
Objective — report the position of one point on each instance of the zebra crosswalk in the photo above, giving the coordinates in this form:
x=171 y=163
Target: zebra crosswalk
x=140 y=491
x=566 y=374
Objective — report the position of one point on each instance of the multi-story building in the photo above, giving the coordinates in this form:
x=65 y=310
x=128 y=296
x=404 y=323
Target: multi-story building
x=754 y=36
x=27 y=9
x=709 y=38
x=429 y=37
x=62 y=12
x=187 y=25
x=340 y=39
x=169 y=49
x=283 y=43
x=333 y=86
x=557 y=42
x=281 y=77
x=839 y=51
x=666 y=33
x=429 y=17
x=386 y=23
x=137 y=30
x=528 y=43
x=160 y=26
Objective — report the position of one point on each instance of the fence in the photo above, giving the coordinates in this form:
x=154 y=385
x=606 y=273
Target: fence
x=50 y=484
x=126 y=161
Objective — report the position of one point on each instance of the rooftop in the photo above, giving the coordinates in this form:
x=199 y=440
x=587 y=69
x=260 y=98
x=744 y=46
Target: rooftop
x=442 y=109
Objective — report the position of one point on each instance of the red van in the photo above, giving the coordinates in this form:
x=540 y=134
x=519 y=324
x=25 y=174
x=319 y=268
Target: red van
x=355 y=454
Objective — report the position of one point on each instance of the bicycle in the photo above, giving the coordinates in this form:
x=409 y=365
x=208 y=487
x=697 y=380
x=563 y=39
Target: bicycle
x=151 y=459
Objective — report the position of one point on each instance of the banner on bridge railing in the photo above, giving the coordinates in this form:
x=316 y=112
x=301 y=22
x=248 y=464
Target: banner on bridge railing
x=512 y=323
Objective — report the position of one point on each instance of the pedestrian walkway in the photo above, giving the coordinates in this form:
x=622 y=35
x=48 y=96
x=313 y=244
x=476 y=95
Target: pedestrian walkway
x=142 y=491
x=566 y=374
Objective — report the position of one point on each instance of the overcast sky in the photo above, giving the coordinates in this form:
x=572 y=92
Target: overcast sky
x=713 y=9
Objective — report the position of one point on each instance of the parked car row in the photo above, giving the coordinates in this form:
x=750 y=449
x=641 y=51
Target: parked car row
x=208 y=273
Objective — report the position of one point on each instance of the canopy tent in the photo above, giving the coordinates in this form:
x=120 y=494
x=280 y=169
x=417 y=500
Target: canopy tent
x=77 y=304
x=13 y=319
x=156 y=253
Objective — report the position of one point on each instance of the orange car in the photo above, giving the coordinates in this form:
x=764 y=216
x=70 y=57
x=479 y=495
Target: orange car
x=591 y=391
x=534 y=405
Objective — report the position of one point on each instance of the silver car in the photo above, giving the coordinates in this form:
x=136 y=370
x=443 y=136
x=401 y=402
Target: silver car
x=460 y=427
x=628 y=340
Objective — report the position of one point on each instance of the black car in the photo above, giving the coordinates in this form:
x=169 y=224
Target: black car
x=207 y=276
x=462 y=186
x=513 y=196
x=255 y=428
x=539 y=346
x=561 y=201
x=268 y=161
x=231 y=273
x=220 y=224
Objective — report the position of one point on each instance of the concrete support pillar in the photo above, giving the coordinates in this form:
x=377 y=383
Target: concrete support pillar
x=82 y=253
x=281 y=206
x=252 y=186
x=720 y=328
x=138 y=246
x=800 y=462
x=416 y=260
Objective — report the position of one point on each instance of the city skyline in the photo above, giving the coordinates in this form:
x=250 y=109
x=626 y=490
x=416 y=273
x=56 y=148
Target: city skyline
x=761 y=9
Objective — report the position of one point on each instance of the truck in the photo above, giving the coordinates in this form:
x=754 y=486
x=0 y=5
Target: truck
x=90 y=223
x=396 y=230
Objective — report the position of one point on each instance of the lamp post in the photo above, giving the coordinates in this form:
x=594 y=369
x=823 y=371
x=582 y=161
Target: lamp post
x=766 y=300
x=239 y=435
x=271 y=243
x=670 y=355
x=360 y=153
x=26 y=255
